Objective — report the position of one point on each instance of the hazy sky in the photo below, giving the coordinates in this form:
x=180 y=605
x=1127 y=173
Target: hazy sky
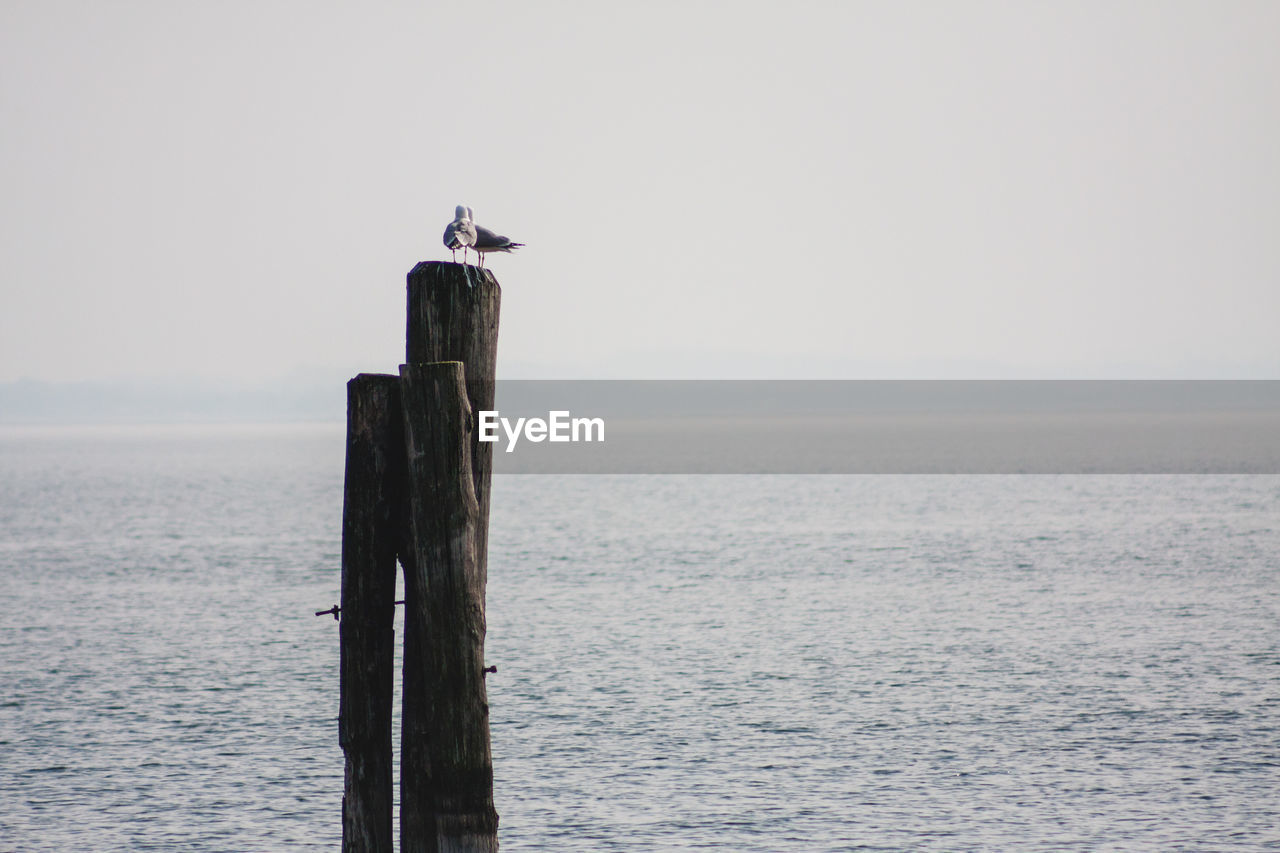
x=736 y=189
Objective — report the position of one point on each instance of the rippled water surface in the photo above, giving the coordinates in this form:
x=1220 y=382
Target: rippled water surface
x=737 y=663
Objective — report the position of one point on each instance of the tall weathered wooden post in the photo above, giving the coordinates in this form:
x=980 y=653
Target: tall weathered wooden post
x=446 y=768
x=417 y=488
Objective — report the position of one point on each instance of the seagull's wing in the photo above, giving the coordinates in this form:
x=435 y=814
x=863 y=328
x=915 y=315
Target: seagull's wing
x=459 y=234
x=487 y=241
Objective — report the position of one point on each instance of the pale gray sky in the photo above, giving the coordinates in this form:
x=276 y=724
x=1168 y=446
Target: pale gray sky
x=851 y=189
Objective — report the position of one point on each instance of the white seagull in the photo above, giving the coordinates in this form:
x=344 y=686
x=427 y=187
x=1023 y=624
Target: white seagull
x=486 y=241
x=460 y=233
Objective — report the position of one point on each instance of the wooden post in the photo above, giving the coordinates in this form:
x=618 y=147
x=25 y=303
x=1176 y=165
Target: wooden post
x=371 y=532
x=446 y=768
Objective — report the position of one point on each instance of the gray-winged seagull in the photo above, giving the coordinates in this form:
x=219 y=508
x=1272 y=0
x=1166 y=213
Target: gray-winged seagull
x=460 y=233
x=487 y=241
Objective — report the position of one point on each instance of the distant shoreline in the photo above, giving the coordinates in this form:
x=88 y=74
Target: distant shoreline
x=34 y=403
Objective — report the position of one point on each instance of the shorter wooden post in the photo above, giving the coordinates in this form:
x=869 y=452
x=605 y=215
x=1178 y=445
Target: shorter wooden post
x=446 y=768
x=372 y=517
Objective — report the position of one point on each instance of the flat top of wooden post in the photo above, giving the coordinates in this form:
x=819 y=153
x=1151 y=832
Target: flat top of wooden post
x=448 y=269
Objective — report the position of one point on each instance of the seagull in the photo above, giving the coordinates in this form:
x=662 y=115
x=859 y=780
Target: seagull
x=460 y=233
x=487 y=241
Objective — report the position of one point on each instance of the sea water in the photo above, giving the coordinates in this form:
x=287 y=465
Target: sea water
x=771 y=663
